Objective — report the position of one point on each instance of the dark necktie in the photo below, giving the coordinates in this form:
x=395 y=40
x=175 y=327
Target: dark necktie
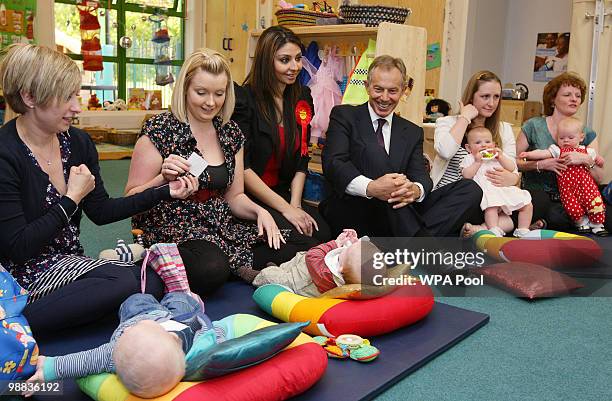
x=379 y=134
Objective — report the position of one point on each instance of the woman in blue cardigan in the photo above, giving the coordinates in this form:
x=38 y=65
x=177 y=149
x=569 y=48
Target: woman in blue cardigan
x=49 y=176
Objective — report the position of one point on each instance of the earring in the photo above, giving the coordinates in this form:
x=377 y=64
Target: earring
x=31 y=106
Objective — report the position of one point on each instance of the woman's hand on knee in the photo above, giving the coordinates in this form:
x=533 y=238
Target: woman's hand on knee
x=267 y=226
x=302 y=221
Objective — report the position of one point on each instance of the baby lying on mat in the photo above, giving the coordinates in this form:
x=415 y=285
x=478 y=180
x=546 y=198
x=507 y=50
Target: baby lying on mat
x=147 y=350
x=345 y=260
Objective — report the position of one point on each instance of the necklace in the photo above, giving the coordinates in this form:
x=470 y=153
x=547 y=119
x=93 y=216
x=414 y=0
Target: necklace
x=50 y=153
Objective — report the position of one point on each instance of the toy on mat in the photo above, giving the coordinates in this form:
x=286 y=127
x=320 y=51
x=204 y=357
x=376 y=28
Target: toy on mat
x=348 y=346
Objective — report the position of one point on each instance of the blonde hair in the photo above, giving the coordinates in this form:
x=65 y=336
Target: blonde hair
x=571 y=123
x=145 y=373
x=359 y=263
x=493 y=122
x=47 y=75
x=210 y=61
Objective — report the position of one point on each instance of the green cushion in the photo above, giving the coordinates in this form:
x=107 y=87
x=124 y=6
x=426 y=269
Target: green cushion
x=205 y=362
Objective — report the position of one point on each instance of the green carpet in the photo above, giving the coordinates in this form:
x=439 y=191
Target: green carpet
x=548 y=350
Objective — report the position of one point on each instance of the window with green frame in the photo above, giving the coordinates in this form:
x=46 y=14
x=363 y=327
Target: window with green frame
x=131 y=67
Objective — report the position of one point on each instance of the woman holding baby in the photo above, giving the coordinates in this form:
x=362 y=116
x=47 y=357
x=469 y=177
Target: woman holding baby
x=479 y=107
x=562 y=98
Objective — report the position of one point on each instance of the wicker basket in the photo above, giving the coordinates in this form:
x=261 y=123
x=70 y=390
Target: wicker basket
x=299 y=17
x=124 y=137
x=373 y=15
x=97 y=134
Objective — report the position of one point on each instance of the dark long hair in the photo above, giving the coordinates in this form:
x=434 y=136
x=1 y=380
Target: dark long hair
x=263 y=83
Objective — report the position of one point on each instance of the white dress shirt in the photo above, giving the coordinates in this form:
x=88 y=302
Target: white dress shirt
x=359 y=185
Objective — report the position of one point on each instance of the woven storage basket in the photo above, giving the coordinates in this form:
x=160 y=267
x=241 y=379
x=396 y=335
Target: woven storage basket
x=97 y=134
x=373 y=15
x=298 y=17
x=124 y=137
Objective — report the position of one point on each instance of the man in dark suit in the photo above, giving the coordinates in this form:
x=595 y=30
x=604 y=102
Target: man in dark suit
x=374 y=165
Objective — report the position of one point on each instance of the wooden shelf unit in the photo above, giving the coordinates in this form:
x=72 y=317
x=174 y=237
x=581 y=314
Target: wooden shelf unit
x=405 y=41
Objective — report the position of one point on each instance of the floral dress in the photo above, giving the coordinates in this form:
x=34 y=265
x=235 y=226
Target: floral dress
x=208 y=218
x=62 y=261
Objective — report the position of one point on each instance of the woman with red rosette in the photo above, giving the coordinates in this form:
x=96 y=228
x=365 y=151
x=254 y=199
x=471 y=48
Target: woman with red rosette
x=274 y=112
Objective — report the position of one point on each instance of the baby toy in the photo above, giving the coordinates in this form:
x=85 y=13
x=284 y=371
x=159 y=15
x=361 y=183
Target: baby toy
x=124 y=252
x=488 y=154
x=348 y=346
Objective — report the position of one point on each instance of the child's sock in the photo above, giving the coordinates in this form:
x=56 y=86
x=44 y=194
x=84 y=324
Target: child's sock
x=497 y=231
x=584 y=221
x=248 y=274
x=166 y=261
x=520 y=232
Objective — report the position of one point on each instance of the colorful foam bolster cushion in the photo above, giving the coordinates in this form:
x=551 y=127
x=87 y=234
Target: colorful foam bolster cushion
x=286 y=374
x=553 y=249
x=333 y=317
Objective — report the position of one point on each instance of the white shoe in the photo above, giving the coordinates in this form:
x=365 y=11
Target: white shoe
x=520 y=232
x=497 y=231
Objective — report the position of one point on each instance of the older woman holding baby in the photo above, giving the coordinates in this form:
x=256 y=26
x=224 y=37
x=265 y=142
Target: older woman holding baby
x=479 y=107
x=562 y=97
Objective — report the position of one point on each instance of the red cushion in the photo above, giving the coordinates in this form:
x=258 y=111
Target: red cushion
x=405 y=306
x=286 y=375
x=553 y=253
x=528 y=280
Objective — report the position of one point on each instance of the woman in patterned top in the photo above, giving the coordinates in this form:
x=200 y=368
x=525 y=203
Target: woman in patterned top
x=209 y=227
x=49 y=176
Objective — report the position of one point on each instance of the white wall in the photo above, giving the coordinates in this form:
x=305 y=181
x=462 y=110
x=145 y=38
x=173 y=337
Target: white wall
x=525 y=19
x=486 y=37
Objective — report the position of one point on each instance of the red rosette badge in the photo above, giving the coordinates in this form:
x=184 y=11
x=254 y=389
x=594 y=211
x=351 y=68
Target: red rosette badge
x=303 y=115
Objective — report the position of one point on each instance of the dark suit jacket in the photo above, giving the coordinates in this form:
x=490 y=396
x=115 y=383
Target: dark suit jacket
x=259 y=146
x=351 y=149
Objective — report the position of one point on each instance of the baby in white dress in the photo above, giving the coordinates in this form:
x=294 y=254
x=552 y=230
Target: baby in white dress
x=498 y=203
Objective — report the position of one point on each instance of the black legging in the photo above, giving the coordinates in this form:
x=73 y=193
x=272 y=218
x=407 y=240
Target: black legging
x=206 y=265
x=91 y=297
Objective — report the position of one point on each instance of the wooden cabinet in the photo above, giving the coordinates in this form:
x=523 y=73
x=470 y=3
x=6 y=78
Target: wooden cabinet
x=404 y=41
x=227 y=26
x=517 y=111
x=512 y=111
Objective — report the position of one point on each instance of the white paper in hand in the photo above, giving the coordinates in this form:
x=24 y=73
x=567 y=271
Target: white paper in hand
x=198 y=164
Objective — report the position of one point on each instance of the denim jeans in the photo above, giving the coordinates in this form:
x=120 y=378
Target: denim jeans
x=182 y=307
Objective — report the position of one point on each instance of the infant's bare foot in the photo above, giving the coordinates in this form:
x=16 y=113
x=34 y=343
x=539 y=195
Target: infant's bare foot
x=469 y=230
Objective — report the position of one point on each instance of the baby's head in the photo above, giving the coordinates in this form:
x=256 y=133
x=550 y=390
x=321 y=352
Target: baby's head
x=149 y=360
x=356 y=263
x=477 y=139
x=569 y=132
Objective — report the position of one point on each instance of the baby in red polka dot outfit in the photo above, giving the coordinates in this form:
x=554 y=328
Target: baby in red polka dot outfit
x=578 y=190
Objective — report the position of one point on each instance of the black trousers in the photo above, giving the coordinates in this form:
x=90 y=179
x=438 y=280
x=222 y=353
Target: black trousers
x=91 y=297
x=296 y=242
x=442 y=213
